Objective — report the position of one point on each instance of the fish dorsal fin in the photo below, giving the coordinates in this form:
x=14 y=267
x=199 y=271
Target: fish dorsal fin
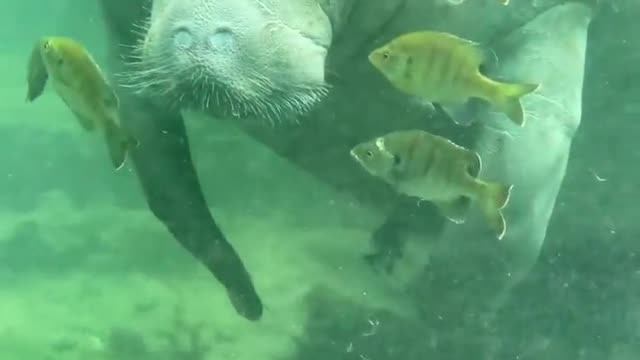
x=110 y=99
x=475 y=52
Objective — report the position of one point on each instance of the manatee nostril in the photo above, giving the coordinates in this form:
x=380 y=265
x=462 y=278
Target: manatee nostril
x=222 y=39
x=182 y=38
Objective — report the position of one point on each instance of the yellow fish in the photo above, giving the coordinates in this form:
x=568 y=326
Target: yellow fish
x=79 y=82
x=419 y=164
x=444 y=69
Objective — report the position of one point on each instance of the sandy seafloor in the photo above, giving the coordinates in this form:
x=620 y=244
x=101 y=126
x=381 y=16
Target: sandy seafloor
x=87 y=272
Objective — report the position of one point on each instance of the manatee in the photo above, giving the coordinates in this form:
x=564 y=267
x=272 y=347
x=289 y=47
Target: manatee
x=306 y=60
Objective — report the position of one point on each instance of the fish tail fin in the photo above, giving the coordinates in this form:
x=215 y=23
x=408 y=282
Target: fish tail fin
x=508 y=100
x=495 y=197
x=119 y=143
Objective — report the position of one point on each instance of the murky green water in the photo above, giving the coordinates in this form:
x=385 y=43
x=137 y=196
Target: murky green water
x=88 y=272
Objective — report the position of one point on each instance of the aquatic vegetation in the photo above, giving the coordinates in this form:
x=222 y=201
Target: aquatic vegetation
x=185 y=340
x=180 y=341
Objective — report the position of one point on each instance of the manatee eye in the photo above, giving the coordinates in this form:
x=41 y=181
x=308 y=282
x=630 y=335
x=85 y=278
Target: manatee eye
x=60 y=62
x=369 y=153
x=46 y=45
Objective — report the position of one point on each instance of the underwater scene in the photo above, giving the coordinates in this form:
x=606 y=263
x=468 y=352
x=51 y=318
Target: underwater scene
x=320 y=179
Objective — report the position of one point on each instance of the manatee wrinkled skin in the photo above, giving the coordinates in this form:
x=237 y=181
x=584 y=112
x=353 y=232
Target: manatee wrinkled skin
x=274 y=60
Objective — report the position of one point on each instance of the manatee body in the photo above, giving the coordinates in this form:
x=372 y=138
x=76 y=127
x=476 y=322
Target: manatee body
x=274 y=60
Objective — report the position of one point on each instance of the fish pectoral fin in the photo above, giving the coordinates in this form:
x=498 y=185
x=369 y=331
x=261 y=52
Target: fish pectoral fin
x=37 y=74
x=423 y=104
x=454 y=210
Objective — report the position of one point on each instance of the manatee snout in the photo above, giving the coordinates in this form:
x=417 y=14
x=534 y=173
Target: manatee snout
x=219 y=41
x=263 y=57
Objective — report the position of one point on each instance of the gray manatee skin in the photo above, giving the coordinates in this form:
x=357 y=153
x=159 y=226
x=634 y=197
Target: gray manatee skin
x=276 y=59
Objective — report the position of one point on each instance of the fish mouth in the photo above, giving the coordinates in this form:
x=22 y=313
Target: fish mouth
x=373 y=58
x=357 y=158
x=354 y=155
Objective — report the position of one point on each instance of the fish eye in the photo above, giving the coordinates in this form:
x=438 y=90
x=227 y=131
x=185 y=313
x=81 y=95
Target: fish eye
x=396 y=159
x=386 y=55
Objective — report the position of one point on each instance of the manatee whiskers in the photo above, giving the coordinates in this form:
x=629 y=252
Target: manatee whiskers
x=148 y=77
x=251 y=94
x=199 y=91
x=145 y=73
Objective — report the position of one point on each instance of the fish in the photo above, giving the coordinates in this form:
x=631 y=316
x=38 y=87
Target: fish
x=445 y=69
x=432 y=168
x=80 y=83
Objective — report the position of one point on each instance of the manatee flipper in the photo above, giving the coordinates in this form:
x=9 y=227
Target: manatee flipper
x=37 y=74
x=454 y=210
x=389 y=240
x=170 y=183
x=166 y=172
x=560 y=33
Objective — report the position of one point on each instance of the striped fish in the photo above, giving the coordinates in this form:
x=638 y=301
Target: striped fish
x=419 y=164
x=80 y=83
x=444 y=69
